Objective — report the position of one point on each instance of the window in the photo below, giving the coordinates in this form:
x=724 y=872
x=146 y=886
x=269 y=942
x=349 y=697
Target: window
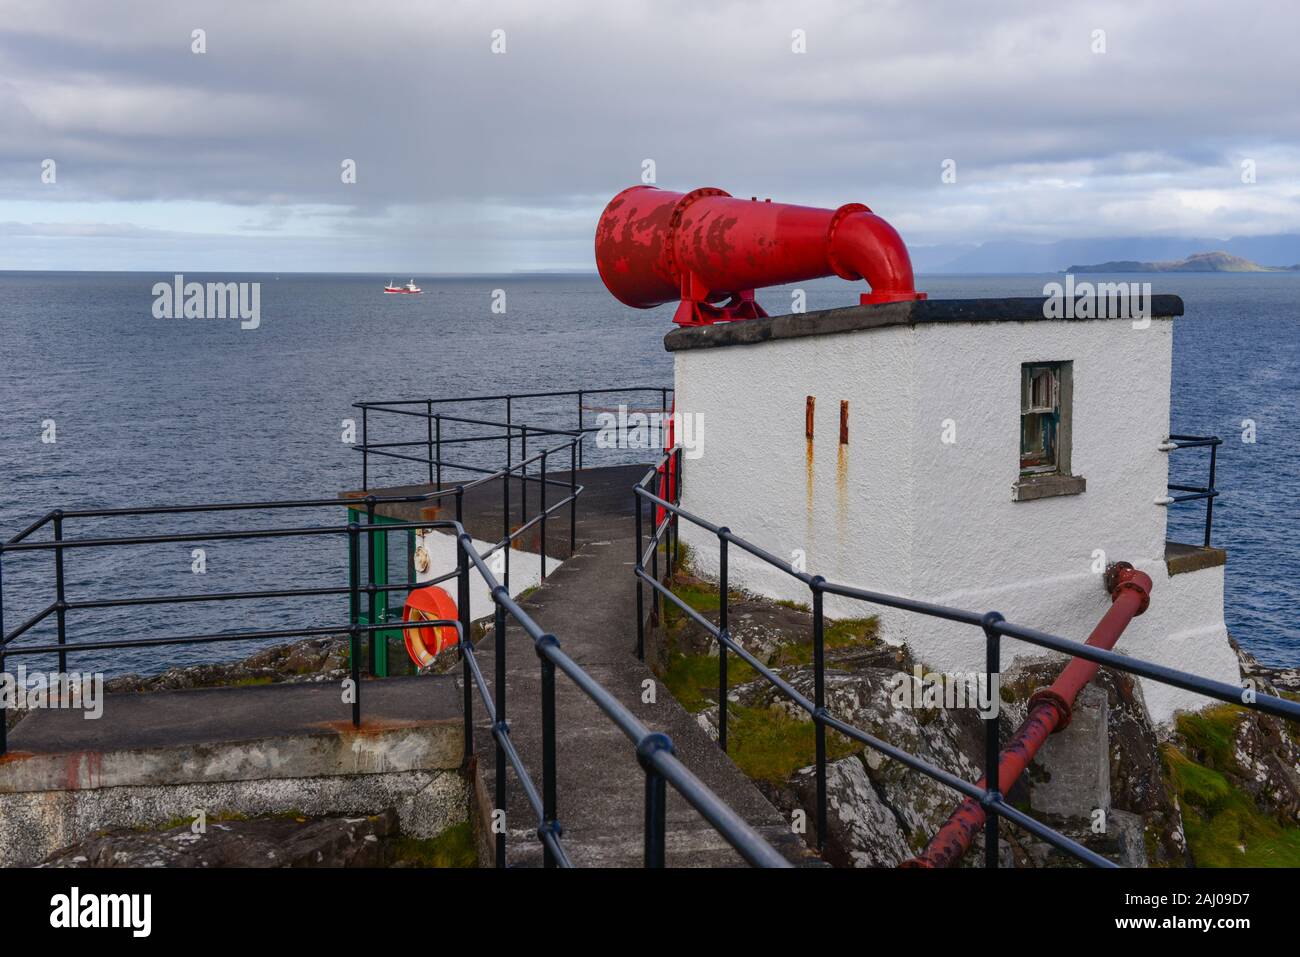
x=1046 y=396
x=1040 y=417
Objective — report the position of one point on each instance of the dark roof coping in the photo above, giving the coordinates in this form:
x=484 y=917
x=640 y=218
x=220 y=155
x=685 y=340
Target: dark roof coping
x=827 y=322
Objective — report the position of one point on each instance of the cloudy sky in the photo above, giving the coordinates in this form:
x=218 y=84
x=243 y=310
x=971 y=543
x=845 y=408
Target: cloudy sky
x=474 y=161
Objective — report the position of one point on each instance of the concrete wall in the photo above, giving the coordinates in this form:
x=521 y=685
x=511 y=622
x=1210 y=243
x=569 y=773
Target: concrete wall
x=48 y=801
x=899 y=510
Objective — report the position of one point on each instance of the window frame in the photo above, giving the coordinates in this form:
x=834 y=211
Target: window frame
x=1049 y=415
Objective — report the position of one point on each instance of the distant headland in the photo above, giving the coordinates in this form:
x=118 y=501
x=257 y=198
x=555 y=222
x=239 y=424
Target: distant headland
x=1197 y=262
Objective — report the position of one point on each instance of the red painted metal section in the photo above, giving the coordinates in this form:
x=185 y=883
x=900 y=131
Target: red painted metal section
x=1049 y=712
x=706 y=248
x=668 y=471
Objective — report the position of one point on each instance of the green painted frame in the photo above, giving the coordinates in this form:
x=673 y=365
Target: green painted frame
x=384 y=611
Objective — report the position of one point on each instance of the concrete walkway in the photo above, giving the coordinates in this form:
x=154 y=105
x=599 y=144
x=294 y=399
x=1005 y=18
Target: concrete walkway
x=590 y=605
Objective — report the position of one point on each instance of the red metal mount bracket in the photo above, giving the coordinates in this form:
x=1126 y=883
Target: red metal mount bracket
x=696 y=310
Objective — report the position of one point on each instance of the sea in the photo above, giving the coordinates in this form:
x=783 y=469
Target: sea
x=104 y=405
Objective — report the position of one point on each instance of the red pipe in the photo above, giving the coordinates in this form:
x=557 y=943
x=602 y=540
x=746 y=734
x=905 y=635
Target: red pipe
x=1049 y=712
x=655 y=246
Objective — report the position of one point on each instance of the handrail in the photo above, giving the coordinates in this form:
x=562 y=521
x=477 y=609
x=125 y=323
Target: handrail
x=1197 y=493
x=654 y=750
x=517 y=395
x=59 y=544
x=992 y=623
x=513 y=430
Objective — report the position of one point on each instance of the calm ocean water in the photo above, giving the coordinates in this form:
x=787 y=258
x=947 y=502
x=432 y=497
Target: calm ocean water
x=148 y=411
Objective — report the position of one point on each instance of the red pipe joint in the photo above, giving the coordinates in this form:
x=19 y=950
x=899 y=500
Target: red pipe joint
x=705 y=247
x=1050 y=710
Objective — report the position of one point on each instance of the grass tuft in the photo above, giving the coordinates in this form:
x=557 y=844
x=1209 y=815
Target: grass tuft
x=454 y=847
x=770 y=744
x=1223 y=825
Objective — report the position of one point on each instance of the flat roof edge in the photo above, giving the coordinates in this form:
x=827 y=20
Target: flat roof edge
x=828 y=322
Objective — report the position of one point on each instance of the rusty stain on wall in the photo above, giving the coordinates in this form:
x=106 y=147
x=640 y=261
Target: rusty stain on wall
x=809 y=471
x=841 y=484
x=842 y=478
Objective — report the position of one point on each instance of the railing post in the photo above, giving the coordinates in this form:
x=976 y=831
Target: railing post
x=722 y=626
x=523 y=474
x=579 y=426
x=573 y=495
x=412 y=576
x=819 y=701
x=992 y=745
x=59 y=596
x=640 y=585
x=372 y=612
x=543 y=532
x=677 y=519
x=354 y=609
x=510 y=458
x=428 y=432
x=654 y=564
x=505 y=520
x=550 y=812
x=656 y=797
x=462 y=610
x=438 y=448
x=499 y=627
x=1209 y=501
x=365 y=449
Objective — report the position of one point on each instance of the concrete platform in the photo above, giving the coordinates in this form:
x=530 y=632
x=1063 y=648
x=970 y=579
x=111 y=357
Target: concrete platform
x=273 y=716
x=1180 y=559
x=257 y=750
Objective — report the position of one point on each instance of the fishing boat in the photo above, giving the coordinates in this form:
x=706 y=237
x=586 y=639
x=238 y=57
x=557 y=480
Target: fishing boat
x=410 y=289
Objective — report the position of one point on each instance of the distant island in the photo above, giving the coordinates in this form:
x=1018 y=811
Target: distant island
x=1197 y=262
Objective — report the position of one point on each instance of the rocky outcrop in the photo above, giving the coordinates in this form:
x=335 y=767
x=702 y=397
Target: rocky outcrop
x=862 y=828
x=1142 y=825
x=1265 y=755
x=316 y=659
x=882 y=811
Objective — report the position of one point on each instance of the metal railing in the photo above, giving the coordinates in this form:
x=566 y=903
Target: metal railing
x=654 y=751
x=435 y=436
x=1195 y=493
x=434 y=439
x=665 y=531
x=60 y=545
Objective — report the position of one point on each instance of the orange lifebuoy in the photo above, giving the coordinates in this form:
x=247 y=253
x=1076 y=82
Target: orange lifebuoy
x=430 y=603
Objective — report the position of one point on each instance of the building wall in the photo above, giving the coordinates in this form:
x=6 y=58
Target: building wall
x=760 y=476
x=899 y=510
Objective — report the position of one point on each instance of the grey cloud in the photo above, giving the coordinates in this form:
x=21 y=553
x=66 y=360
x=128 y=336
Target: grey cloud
x=1049 y=138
